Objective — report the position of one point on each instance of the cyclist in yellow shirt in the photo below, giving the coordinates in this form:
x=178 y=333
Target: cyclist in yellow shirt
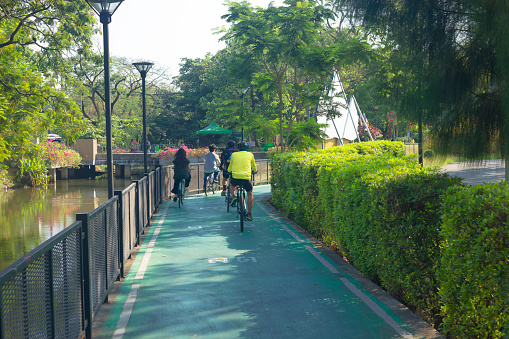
x=242 y=165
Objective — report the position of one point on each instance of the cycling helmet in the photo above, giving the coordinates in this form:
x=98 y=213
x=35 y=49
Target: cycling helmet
x=242 y=145
x=231 y=144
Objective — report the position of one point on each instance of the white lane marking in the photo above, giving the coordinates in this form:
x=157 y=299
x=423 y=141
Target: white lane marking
x=272 y=216
x=127 y=310
x=154 y=237
x=286 y=228
x=371 y=304
x=144 y=264
x=321 y=259
x=292 y=233
x=377 y=309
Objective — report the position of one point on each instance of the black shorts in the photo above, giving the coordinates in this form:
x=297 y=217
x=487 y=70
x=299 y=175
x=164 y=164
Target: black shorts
x=226 y=174
x=242 y=182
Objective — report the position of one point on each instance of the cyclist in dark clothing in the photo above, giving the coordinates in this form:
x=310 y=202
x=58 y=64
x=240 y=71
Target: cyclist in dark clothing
x=225 y=161
x=180 y=171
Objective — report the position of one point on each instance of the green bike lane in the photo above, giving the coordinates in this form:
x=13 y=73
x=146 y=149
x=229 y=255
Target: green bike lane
x=197 y=276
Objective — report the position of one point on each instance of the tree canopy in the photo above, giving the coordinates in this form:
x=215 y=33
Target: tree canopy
x=452 y=55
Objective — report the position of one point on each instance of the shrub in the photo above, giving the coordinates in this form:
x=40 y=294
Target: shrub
x=375 y=206
x=57 y=154
x=474 y=270
x=169 y=153
x=32 y=172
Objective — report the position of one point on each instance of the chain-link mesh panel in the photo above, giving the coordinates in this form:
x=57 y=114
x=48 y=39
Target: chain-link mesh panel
x=67 y=287
x=97 y=236
x=132 y=218
x=143 y=203
x=26 y=302
x=263 y=175
x=158 y=186
x=112 y=243
x=151 y=185
x=166 y=182
x=126 y=205
x=196 y=184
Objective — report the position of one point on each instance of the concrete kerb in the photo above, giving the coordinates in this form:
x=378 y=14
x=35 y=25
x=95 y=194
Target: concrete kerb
x=420 y=326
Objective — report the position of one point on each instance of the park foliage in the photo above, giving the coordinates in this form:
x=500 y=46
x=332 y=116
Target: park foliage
x=168 y=154
x=389 y=218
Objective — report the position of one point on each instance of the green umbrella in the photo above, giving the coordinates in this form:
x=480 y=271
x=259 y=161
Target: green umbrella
x=213 y=128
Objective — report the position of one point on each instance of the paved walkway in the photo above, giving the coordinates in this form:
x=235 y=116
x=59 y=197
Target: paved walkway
x=197 y=276
x=477 y=173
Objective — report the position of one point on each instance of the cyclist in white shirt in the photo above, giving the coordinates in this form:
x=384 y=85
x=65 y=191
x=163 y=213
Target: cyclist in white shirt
x=211 y=165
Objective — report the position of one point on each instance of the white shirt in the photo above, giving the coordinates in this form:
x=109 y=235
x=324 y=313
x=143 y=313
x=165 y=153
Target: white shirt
x=211 y=160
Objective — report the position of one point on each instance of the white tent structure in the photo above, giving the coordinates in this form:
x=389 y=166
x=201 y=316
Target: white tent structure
x=342 y=119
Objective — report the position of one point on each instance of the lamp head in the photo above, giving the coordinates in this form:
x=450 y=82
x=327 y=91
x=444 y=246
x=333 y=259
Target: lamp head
x=104 y=6
x=143 y=67
x=242 y=90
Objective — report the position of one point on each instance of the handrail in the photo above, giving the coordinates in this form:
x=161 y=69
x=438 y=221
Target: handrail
x=56 y=289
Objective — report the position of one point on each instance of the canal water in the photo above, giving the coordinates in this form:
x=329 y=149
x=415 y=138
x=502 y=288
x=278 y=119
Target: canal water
x=30 y=216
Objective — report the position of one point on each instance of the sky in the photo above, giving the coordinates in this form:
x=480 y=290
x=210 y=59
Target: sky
x=164 y=31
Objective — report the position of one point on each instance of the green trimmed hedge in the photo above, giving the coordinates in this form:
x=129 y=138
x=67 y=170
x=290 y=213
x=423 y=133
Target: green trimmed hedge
x=383 y=212
x=474 y=272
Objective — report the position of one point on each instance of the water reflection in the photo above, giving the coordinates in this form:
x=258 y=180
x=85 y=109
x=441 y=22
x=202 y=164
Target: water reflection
x=30 y=216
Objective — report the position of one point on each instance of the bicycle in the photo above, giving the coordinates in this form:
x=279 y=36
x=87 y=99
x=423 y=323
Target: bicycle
x=228 y=196
x=241 y=206
x=210 y=184
x=181 y=192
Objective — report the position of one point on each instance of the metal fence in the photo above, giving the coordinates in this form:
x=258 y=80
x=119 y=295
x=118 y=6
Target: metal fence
x=55 y=290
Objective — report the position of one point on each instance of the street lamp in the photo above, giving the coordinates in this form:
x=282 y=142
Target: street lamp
x=105 y=9
x=242 y=91
x=143 y=68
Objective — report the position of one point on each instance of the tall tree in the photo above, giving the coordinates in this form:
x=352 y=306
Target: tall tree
x=35 y=39
x=285 y=40
x=456 y=52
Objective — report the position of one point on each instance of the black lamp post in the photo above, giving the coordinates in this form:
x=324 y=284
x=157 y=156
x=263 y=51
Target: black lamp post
x=105 y=9
x=143 y=68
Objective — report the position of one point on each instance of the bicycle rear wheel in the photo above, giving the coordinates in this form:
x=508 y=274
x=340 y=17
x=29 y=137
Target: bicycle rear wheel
x=242 y=210
x=228 y=196
x=181 y=193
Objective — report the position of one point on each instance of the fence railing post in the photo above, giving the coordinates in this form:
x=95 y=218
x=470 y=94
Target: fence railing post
x=121 y=221
x=86 y=274
x=148 y=197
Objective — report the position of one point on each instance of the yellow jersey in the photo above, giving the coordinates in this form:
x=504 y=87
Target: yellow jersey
x=241 y=165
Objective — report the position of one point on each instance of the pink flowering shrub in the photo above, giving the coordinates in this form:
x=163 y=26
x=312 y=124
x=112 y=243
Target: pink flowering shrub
x=119 y=150
x=169 y=153
x=57 y=154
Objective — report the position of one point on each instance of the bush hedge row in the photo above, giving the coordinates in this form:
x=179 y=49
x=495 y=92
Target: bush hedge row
x=474 y=270
x=379 y=209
